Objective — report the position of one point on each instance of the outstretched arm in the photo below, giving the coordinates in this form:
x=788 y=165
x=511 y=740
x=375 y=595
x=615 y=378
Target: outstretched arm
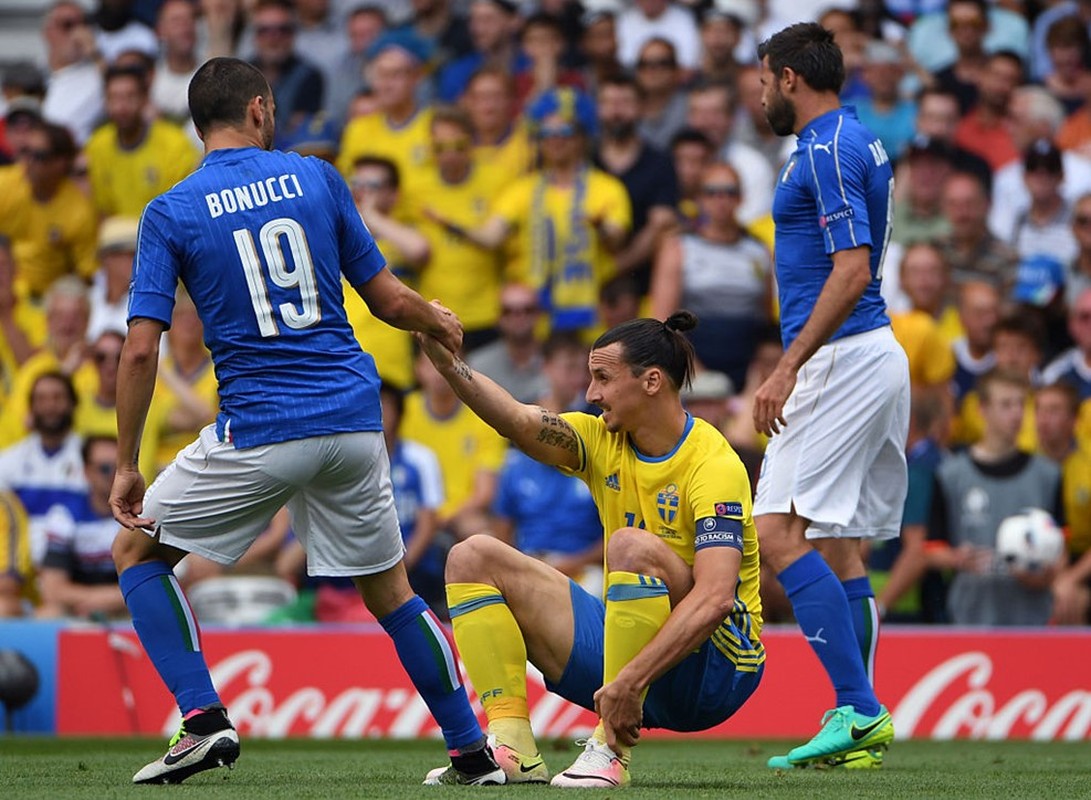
x=541 y=434
x=396 y=304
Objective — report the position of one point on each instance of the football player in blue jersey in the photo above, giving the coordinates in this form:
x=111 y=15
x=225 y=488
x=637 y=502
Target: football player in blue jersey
x=261 y=239
x=837 y=405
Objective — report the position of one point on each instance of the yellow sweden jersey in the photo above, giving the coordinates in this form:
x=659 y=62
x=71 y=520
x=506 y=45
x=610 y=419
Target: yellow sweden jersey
x=409 y=146
x=462 y=442
x=606 y=200
x=50 y=239
x=512 y=157
x=123 y=181
x=701 y=478
x=462 y=275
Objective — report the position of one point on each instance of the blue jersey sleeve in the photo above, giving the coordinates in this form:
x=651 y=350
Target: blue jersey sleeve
x=361 y=260
x=841 y=182
x=155 y=268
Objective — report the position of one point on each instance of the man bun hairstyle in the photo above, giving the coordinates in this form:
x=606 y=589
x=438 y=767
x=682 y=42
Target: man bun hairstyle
x=647 y=343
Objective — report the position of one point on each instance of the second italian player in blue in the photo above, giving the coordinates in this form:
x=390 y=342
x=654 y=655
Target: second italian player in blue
x=837 y=405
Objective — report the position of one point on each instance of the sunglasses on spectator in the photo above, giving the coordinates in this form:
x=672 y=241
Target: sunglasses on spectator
x=459 y=146
x=656 y=63
x=975 y=24
x=1081 y=220
x=268 y=30
x=104 y=468
x=720 y=190
x=518 y=310
x=370 y=186
x=40 y=156
x=69 y=24
x=557 y=132
x=102 y=357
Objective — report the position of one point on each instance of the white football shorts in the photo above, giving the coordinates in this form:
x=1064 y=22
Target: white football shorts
x=214 y=500
x=840 y=459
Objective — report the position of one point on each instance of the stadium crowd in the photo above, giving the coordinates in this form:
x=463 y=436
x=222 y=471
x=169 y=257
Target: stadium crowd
x=548 y=170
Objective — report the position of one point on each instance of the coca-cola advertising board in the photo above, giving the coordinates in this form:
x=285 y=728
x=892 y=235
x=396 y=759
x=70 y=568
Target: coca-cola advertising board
x=941 y=684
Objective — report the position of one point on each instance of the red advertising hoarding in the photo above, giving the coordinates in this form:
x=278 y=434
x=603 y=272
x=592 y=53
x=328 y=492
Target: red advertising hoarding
x=348 y=683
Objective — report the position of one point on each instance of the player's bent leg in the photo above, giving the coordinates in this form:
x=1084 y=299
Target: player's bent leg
x=169 y=632
x=506 y=607
x=643 y=577
x=428 y=658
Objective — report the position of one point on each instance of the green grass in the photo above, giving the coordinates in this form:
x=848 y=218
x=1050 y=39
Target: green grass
x=99 y=769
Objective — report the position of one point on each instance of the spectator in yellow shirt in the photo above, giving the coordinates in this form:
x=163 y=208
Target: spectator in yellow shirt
x=470 y=453
x=96 y=411
x=398 y=130
x=568 y=218
x=1017 y=343
x=458 y=192
x=19 y=322
x=501 y=141
x=924 y=279
x=130 y=159
x=375 y=186
x=65 y=350
x=52 y=225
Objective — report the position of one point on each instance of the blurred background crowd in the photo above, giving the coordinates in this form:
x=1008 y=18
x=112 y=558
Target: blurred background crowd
x=549 y=169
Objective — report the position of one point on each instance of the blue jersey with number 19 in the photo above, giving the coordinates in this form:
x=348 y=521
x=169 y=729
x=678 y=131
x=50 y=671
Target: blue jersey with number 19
x=834 y=193
x=260 y=240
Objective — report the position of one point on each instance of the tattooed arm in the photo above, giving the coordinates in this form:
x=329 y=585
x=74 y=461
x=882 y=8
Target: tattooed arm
x=541 y=434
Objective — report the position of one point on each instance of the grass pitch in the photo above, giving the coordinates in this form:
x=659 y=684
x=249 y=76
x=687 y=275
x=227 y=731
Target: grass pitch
x=100 y=769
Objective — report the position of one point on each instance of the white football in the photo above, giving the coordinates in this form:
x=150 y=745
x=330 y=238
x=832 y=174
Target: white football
x=1029 y=540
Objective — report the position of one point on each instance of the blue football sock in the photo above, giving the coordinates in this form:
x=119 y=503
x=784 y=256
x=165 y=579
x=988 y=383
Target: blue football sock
x=426 y=654
x=865 y=620
x=822 y=611
x=168 y=630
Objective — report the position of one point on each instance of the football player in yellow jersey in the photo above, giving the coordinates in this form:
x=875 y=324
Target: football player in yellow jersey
x=500 y=144
x=399 y=129
x=457 y=195
x=676 y=643
x=375 y=184
x=131 y=160
x=52 y=225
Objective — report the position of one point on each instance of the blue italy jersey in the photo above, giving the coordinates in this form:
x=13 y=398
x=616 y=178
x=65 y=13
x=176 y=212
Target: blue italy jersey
x=834 y=193
x=260 y=240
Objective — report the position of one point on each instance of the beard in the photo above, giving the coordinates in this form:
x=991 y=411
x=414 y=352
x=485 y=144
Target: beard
x=781 y=115
x=620 y=130
x=53 y=424
x=267 y=131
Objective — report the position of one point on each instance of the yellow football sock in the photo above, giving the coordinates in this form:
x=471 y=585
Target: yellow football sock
x=495 y=655
x=636 y=608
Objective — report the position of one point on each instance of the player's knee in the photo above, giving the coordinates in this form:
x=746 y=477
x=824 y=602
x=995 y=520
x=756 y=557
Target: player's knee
x=131 y=548
x=634 y=550
x=473 y=560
